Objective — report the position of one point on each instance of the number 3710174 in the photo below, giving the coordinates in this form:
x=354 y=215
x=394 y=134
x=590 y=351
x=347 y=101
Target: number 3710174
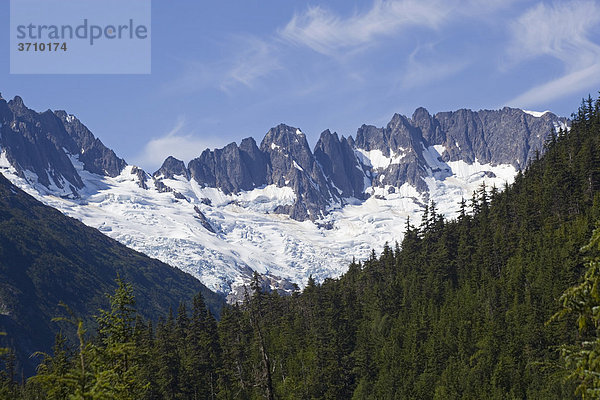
x=42 y=46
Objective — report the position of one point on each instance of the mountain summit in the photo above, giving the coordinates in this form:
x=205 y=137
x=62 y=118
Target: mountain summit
x=278 y=207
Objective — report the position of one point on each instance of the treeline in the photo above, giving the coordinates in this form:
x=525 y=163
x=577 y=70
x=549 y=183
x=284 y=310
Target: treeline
x=459 y=310
x=128 y=358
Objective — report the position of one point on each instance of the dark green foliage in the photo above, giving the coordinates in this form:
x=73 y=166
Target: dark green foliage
x=583 y=301
x=47 y=258
x=459 y=310
x=126 y=359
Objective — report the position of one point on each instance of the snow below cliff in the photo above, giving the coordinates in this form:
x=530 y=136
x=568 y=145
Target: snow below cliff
x=248 y=234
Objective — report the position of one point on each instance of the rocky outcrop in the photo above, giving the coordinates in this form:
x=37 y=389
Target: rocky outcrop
x=393 y=155
x=291 y=163
x=172 y=167
x=94 y=155
x=43 y=144
x=231 y=169
x=203 y=220
x=507 y=136
x=340 y=165
x=142 y=177
x=283 y=159
x=405 y=151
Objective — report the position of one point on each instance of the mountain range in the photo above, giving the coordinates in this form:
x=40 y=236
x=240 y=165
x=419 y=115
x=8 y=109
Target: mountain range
x=281 y=208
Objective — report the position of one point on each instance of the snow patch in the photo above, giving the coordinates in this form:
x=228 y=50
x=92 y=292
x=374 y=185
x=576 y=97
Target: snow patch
x=295 y=165
x=249 y=234
x=536 y=114
x=4 y=163
x=437 y=167
x=376 y=159
x=439 y=148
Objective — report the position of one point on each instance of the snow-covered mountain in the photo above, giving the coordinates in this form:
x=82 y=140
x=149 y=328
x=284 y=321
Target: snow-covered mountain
x=279 y=208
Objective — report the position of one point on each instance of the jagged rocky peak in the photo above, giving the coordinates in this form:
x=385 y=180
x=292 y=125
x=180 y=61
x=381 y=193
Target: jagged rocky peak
x=506 y=136
x=399 y=134
x=393 y=155
x=428 y=125
x=94 y=155
x=340 y=164
x=34 y=142
x=402 y=135
x=283 y=134
x=292 y=164
x=231 y=169
x=409 y=150
x=172 y=167
x=369 y=137
x=406 y=150
x=255 y=160
x=141 y=175
x=283 y=159
x=5 y=112
x=43 y=144
x=16 y=104
x=284 y=141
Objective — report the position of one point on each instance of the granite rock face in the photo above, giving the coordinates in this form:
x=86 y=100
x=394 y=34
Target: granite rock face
x=231 y=169
x=43 y=144
x=405 y=151
x=291 y=163
x=172 y=167
x=95 y=157
x=340 y=165
x=283 y=159
x=507 y=136
x=398 y=150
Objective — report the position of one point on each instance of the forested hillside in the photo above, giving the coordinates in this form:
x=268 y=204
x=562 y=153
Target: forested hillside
x=47 y=258
x=459 y=310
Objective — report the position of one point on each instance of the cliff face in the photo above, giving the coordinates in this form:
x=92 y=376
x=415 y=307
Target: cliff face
x=225 y=214
x=43 y=143
x=405 y=151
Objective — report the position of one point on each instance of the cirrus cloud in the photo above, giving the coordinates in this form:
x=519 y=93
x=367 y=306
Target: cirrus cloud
x=562 y=31
x=328 y=33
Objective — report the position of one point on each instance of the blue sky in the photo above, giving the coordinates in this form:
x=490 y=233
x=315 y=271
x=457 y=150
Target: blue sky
x=222 y=71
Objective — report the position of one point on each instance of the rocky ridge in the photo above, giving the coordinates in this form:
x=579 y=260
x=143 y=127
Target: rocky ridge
x=227 y=193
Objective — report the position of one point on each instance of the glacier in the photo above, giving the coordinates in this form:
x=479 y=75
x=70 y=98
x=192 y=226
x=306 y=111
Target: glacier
x=248 y=235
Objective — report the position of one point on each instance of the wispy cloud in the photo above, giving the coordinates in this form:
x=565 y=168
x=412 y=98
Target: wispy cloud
x=328 y=33
x=574 y=82
x=422 y=72
x=195 y=76
x=331 y=34
x=257 y=59
x=250 y=59
x=179 y=142
x=561 y=31
x=251 y=62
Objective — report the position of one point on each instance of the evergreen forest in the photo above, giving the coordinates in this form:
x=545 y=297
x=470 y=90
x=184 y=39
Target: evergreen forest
x=500 y=303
